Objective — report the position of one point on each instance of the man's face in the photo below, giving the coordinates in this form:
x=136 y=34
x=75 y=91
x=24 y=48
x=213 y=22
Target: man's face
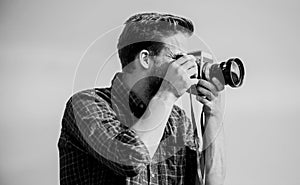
x=174 y=45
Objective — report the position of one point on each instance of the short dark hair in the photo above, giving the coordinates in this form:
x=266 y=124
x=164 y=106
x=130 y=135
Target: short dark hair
x=145 y=31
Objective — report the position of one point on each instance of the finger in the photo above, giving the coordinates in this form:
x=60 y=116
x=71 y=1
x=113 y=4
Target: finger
x=191 y=86
x=185 y=58
x=193 y=71
x=202 y=99
x=194 y=81
x=218 y=84
x=181 y=60
x=209 y=95
x=209 y=86
x=189 y=64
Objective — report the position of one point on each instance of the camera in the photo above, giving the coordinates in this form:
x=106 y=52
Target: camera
x=230 y=72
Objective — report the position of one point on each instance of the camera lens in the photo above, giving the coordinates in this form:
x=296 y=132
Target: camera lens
x=233 y=72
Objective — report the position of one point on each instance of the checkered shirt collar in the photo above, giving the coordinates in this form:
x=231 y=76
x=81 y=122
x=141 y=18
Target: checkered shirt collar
x=127 y=97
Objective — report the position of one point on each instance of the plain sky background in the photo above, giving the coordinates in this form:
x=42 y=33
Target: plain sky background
x=41 y=43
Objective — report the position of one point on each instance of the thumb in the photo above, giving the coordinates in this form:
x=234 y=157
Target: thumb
x=194 y=81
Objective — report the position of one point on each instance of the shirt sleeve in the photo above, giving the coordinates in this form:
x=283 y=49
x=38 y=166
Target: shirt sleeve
x=104 y=137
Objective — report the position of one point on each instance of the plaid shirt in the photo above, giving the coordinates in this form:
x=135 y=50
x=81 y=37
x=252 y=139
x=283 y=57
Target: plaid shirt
x=97 y=146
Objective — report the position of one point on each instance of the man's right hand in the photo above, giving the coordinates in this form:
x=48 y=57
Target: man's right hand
x=178 y=76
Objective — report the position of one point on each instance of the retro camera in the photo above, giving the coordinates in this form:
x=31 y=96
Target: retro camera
x=230 y=72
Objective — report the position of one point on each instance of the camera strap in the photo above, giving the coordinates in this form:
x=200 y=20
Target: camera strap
x=198 y=131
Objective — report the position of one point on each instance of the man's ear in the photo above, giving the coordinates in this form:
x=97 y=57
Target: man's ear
x=144 y=59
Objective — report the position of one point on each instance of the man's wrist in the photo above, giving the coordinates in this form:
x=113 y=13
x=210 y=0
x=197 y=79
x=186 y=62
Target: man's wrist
x=165 y=96
x=213 y=127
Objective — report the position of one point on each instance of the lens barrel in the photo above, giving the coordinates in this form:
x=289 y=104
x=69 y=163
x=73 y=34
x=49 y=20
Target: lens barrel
x=230 y=73
x=233 y=72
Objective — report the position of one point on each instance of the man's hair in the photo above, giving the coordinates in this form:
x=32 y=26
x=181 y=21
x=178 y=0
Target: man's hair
x=145 y=31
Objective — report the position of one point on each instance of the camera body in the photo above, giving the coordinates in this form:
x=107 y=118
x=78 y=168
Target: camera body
x=230 y=72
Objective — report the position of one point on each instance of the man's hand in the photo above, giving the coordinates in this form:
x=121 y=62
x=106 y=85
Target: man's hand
x=212 y=98
x=213 y=139
x=178 y=77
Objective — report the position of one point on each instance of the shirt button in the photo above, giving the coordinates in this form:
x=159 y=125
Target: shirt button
x=141 y=105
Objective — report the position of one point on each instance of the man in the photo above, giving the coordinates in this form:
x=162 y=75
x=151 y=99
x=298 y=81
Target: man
x=132 y=133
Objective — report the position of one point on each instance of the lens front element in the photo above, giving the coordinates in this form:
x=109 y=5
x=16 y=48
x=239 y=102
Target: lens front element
x=236 y=72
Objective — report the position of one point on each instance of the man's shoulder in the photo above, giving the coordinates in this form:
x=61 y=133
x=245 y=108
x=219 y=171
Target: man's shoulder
x=92 y=94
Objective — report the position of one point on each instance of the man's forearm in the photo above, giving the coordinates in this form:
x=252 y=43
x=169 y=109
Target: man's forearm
x=151 y=125
x=215 y=158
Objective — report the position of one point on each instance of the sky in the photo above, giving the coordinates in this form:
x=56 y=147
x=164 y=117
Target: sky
x=42 y=62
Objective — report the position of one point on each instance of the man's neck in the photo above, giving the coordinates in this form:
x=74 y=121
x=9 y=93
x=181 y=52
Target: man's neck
x=138 y=84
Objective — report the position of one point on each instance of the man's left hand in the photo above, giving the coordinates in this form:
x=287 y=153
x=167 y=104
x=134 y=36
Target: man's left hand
x=211 y=97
